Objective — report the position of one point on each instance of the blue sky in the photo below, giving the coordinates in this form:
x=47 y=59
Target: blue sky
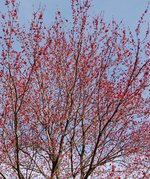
x=128 y=10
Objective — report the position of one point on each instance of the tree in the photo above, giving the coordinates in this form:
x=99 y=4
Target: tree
x=74 y=97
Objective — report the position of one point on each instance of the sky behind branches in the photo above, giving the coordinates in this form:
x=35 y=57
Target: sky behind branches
x=127 y=10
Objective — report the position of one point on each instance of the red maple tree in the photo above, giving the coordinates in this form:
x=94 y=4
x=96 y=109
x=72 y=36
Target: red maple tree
x=73 y=97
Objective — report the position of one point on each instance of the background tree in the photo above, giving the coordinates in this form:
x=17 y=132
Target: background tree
x=73 y=101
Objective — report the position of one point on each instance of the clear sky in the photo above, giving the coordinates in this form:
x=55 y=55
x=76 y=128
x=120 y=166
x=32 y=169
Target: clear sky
x=128 y=10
